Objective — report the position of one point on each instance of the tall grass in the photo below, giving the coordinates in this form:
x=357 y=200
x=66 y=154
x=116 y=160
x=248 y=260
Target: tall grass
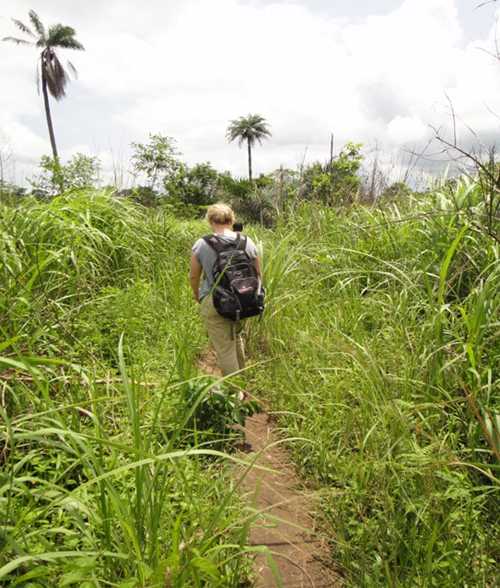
x=383 y=339
x=379 y=348
x=98 y=486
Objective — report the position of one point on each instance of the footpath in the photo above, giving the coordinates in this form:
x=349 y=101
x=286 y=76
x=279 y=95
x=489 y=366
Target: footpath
x=284 y=523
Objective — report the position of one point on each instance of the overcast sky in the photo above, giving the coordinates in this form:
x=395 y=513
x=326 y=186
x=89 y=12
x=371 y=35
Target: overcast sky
x=366 y=70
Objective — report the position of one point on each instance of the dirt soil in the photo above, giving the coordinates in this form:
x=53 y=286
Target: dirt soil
x=285 y=524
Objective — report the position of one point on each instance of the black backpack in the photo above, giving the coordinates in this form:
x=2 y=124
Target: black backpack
x=237 y=292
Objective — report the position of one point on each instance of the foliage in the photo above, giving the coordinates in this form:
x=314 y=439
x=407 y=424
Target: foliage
x=259 y=201
x=250 y=129
x=214 y=409
x=257 y=205
x=234 y=187
x=197 y=185
x=56 y=37
x=392 y=381
x=80 y=172
x=143 y=195
x=336 y=183
x=478 y=199
x=50 y=71
x=99 y=337
x=396 y=191
x=378 y=354
x=157 y=160
x=10 y=192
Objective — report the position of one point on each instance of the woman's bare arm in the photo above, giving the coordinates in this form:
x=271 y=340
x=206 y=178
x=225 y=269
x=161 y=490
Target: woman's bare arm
x=194 y=277
x=258 y=267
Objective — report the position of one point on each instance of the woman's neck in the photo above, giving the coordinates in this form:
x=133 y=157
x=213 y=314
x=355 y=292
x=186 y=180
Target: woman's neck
x=221 y=229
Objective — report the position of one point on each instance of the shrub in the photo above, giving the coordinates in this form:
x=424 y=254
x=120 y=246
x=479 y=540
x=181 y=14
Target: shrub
x=80 y=172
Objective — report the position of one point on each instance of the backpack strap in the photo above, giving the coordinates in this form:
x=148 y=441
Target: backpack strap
x=214 y=243
x=217 y=245
x=241 y=244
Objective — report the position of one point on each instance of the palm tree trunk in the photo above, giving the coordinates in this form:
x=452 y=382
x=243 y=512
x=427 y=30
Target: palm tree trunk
x=49 y=118
x=249 y=160
x=57 y=178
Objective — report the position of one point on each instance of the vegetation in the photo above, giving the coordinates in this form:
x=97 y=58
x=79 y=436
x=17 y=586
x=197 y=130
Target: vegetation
x=252 y=128
x=112 y=465
x=114 y=447
x=337 y=182
x=81 y=171
x=51 y=73
x=392 y=381
x=378 y=354
x=163 y=179
x=157 y=160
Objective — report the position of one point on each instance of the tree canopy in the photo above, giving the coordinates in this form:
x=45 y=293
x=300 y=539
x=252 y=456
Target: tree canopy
x=251 y=128
x=57 y=36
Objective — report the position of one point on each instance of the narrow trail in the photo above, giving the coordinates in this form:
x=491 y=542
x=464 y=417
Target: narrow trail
x=285 y=525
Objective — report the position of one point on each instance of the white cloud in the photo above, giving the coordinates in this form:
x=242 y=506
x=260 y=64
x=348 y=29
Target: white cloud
x=187 y=68
x=27 y=145
x=406 y=129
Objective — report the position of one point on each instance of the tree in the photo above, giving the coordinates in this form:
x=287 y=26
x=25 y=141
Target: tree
x=197 y=185
x=81 y=171
x=249 y=128
x=157 y=160
x=337 y=182
x=51 y=73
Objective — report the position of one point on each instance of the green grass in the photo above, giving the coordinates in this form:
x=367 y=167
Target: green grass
x=102 y=483
x=382 y=335
x=379 y=349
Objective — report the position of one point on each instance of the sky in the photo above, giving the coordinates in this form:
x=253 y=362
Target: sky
x=379 y=72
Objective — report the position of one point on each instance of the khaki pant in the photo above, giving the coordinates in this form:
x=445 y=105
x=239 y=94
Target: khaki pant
x=225 y=337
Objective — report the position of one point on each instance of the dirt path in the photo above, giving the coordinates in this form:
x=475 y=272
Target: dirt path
x=285 y=525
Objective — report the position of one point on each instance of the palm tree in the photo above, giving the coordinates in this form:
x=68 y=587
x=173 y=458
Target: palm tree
x=249 y=128
x=51 y=73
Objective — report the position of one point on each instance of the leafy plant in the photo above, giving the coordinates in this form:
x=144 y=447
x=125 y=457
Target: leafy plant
x=213 y=408
x=80 y=172
x=99 y=336
x=337 y=182
x=194 y=186
x=157 y=160
x=390 y=378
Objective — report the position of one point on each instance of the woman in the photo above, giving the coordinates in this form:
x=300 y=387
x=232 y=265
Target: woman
x=224 y=334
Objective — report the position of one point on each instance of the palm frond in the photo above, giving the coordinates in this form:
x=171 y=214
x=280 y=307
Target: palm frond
x=249 y=128
x=17 y=41
x=63 y=36
x=22 y=27
x=71 y=43
x=54 y=74
x=37 y=23
x=72 y=69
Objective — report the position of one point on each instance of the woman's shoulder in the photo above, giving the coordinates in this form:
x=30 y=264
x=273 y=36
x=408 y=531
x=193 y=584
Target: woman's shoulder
x=199 y=244
x=251 y=248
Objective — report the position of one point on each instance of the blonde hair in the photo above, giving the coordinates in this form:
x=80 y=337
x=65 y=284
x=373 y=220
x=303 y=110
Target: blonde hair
x=220 y=214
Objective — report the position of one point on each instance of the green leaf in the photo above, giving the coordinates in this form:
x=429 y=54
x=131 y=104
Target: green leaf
x=206 y=566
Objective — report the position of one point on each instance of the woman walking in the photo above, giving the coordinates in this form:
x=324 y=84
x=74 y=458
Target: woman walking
x=225 y=334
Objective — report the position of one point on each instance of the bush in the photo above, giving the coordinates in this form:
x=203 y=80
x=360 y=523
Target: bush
x=80 y=172
x=336 y=183
x=194 y=186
